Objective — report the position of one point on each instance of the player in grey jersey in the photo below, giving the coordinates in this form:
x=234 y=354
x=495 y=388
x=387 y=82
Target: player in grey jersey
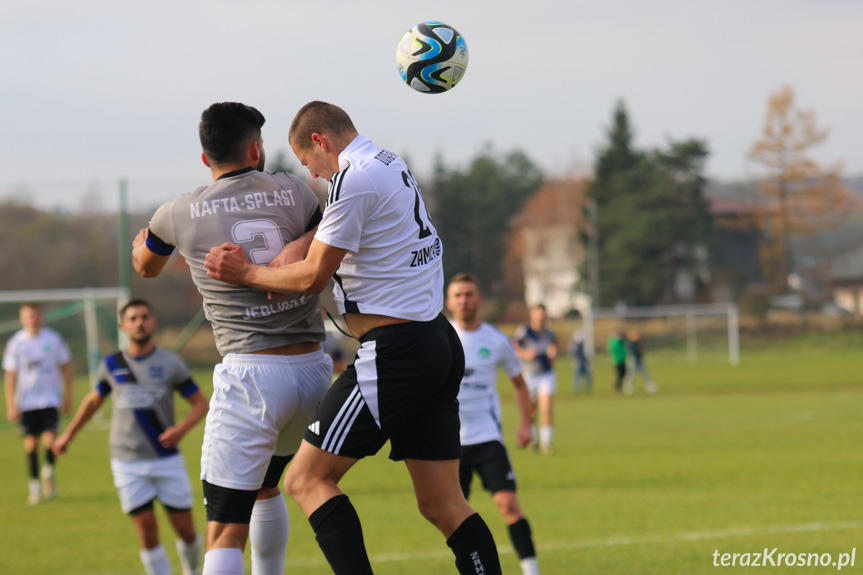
x=273 y=371
x=145 y=461
x=377 y=238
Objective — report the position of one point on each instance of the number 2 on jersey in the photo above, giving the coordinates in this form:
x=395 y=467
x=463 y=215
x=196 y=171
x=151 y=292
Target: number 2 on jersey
x=251 y=230
x=425 y=229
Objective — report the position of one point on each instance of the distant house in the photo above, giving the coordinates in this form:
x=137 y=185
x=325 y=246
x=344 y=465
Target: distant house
x=546 y=250
x=845 y=282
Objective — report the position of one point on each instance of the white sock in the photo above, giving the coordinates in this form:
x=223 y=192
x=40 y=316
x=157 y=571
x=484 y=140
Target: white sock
x=529 y=566
x=225 y=561
x=190 y=555
x=268 y=533
x=155 y=561
x=545 y=434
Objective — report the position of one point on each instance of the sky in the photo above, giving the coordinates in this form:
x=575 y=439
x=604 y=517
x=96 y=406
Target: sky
x=94 y=92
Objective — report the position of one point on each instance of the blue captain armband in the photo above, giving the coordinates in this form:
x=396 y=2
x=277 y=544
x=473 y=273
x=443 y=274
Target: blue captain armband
x=157 y=246
x=103 y=389
x=188 y=388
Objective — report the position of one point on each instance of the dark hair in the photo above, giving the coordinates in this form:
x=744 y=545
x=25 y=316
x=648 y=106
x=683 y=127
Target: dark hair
x=225 y=130
x=463 y=277
x=34 y=305
x=134 y=303
x=319 y=117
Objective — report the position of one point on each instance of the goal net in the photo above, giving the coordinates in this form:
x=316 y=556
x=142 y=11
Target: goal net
x=85 y=317
x=701 y=330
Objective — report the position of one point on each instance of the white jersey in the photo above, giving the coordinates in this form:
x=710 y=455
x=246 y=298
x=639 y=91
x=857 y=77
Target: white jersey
x=375 y=211
x=485 y=350
x=37 y=359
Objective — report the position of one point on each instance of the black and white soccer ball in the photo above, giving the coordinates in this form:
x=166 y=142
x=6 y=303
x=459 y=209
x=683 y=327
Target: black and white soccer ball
x=432 y=57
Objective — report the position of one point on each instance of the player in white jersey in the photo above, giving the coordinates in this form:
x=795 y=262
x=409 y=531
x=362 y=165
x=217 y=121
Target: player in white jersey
x=38 y=381
x=486 y=350
x=536 y=345
x=378 y=242
x=145 y=459
x=273 y=372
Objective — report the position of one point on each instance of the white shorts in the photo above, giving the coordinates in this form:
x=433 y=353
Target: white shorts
x=541 y=384
x=260 y=407
x=139 y=482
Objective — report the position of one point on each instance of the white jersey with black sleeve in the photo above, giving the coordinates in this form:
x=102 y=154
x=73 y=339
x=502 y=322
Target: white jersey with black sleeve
x=486 y=350
x=376 y=212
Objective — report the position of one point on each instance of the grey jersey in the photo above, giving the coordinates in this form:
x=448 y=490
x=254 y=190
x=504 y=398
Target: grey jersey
x=143 y=390
x=260 y=212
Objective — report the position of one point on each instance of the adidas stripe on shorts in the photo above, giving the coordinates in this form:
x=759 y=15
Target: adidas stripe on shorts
x=402 y=386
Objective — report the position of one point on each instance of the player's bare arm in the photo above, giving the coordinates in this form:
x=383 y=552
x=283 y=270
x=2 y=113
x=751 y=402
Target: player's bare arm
x=67 y=385
x=145 y=262
x=228 y=263
x=294 y=251
x=522 y=402
x=11 y=408
x=171 y=437
x=91 y=403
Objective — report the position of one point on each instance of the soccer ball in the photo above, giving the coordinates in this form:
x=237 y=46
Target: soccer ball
x=432 y=57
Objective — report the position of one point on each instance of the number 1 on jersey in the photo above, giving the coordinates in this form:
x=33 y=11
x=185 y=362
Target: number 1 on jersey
x=425 y=230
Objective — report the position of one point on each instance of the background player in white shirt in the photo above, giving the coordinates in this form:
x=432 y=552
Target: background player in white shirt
x=486 y=350
x=273 y=372
x=38 y=381
x=377 y=241
x=145 y=461
x=536 y=345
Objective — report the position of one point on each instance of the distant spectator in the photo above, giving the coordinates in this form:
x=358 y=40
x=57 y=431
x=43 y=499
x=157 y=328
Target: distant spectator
x=637 y=364
x=580 y=364
x=617 y=354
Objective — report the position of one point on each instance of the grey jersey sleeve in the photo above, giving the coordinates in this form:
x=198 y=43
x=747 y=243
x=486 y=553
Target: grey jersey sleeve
x=162 y=225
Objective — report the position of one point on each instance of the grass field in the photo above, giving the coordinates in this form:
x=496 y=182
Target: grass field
x=767 y=454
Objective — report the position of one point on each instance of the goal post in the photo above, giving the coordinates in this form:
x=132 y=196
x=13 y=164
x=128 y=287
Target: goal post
x=689 y=313
x=82 y=300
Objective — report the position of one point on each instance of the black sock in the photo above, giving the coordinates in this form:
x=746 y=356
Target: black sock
x=474 y=548
x=340 y=536
x=49 y=457
x=33 y=464
x=522 y=541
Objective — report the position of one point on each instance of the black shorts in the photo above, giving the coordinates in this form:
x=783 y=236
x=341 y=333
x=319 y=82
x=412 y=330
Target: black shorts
x=403 y=386
x=38 y=421
x=491 y=462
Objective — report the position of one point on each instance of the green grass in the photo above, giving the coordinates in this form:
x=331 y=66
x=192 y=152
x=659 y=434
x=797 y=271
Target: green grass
x=734 y=459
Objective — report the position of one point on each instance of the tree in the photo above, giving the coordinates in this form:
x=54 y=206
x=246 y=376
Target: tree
x=803 y=198
x=652 y=215
x=471 y=210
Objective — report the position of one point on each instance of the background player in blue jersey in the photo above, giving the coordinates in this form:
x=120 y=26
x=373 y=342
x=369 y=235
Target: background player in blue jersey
x=536 y=345
x=145 y=459
x=378 y=243
x=486 y=350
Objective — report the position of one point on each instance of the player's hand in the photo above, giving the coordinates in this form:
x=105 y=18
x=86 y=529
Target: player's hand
x=227 y=263
x=171 y=437
x=140 y=239
x=12 y=414
x=524 y=436
x=60 y=445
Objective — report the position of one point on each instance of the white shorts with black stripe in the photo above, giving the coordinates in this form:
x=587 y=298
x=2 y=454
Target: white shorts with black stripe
x=260 y=407
x=402 y=387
